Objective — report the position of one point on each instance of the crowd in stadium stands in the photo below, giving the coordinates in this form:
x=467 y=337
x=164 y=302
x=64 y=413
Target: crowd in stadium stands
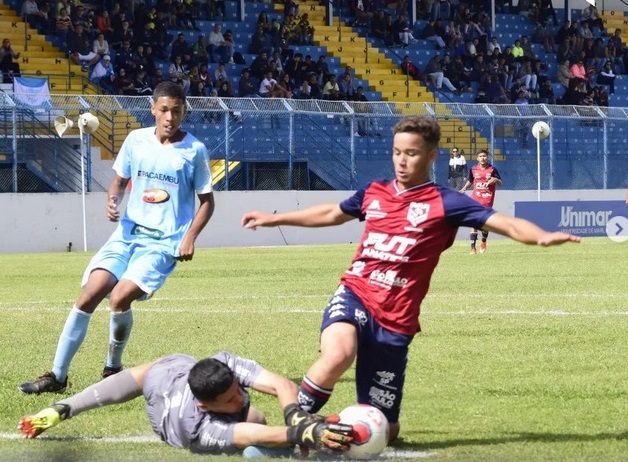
x=119 y=47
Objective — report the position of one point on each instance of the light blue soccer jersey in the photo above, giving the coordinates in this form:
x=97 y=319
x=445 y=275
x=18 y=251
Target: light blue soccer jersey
x=161 y=206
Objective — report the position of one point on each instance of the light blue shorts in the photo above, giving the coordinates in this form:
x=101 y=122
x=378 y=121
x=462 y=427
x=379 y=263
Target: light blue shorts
x=142 y=262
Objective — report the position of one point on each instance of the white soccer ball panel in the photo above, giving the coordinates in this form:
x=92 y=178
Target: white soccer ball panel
x=370 y=430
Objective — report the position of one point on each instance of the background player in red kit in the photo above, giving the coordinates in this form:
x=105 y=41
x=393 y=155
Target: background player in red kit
x=484 y=178
x=374 y=314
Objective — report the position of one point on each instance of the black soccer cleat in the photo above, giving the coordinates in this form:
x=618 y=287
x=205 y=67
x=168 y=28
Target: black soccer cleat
x=47 y=383
x=109 y=371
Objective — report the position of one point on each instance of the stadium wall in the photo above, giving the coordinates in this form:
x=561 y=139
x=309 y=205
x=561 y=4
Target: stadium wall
x=48 y=222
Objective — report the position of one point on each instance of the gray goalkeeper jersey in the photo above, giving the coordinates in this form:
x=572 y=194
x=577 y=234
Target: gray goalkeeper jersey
x=173 y=412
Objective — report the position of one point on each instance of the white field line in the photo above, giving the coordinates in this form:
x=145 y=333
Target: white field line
x=387 y=454
x=290 y=310
x=325 y=297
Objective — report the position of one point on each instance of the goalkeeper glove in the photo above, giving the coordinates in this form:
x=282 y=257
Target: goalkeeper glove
x=319 y=435
x=294 y=415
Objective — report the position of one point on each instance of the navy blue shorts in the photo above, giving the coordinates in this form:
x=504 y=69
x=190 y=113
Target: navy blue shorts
x=381 y=358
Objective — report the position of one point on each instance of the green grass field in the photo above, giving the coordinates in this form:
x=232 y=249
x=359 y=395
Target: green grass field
x=522 y=355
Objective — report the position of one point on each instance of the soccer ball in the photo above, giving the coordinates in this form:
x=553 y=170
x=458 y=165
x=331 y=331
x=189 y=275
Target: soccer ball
x=370 y=431
x=540 y=130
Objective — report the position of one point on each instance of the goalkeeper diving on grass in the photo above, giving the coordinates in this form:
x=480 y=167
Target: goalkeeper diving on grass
x=203 y=406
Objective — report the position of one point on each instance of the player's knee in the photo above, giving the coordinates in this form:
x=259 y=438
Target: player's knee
x=340 y=358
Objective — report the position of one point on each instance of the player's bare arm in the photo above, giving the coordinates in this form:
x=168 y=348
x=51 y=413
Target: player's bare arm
x=525 y=231
x=115 y=195
x=466 y=186
x=273 y=384
x=317 y=216
x=202 y=217
x=494 y=181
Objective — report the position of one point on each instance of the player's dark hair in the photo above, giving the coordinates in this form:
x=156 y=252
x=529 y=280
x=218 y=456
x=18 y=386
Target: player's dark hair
x=427 y=127
x=482 y=151
x=169 y=89
x=209 y=378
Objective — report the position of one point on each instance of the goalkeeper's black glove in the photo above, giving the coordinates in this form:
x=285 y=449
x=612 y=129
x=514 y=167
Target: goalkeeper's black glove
x=294 y=415
x=320 y=435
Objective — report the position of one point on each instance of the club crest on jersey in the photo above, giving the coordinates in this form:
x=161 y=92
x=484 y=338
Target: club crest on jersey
x=417 y=213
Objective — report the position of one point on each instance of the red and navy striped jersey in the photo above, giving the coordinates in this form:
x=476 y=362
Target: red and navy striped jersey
x=482 y=193
x=404 y=236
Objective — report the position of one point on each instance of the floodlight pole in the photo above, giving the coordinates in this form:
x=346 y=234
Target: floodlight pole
x=538 y=168
x=83 y=152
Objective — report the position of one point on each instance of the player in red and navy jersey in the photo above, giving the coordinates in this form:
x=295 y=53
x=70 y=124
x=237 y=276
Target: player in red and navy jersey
x=484 y=178
x=374 y=314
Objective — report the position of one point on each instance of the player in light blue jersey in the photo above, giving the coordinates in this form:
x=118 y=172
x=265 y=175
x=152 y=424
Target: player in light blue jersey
x=167 y=168
x=203 y=406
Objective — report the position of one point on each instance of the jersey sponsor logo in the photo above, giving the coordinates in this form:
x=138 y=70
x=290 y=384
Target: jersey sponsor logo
x=384 y=398
x=157 y=176
x=360 y=317
x=387 y=248
x=155 y=196
x=374 y=210
x=387 y=279
x=418 y=213
x=139 y=230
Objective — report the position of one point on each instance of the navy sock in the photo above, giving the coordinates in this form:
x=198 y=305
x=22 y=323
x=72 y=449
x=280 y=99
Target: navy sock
x=312 y=397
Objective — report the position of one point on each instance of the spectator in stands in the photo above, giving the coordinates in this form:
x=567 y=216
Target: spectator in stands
x=285 y=85
x=224 y=90
x=278 y=62
x=599 y=53
x=315 y=88
x=263 y=23
x=8 y=67
x=178 y=73
x=157 y=78
x=322 y=70
x=380 y=29
x=546 y=93
x=31 y=13
x=578 y=70
x=403 y=31
x=103 y=74
x=607 y=77
x=543 y=36
x=147 y=58
x=229 y=45
x=506 y=74
x=103 y=24
x=291 y=8
x=434 y=72
x=564 y=74
x=122 y=84
x=528 y=52
x=124 y=58
x=451 y=71
x=408 y=68
x=616 y=52
x=584 y=32
x=304 y=91
x=246 y=86
x=63 y=24
x=260 y=66
x=268 y=85
x=293 y=68
x=305 y=30
x=366 y=125
x=78 y=14
x=547 y=11
x=101 y=46
x=517 y=52
x=199 y=51
x=180 y=47
x=528 y=77
x=576 y=40
x=122 y=34
x=347 y=87
x=220 y=75
x=565 y=52
x=81 y=52
x=493 y=45
x=576 y=94
x=591 y=18
x=205 y=78
x=141 y=84
x=429 y=33
x=219 y=7
x=494 y=91
x=331 y=90
x=523 y=126
x=260 y=43
x=362 y=11
x=218 y=49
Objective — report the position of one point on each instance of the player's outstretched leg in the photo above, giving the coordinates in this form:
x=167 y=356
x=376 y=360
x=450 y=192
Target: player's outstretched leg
x=483 y=243
x=474 y=238
x=32 y=426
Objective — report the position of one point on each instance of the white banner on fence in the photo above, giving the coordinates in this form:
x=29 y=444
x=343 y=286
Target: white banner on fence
x=32 y=91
